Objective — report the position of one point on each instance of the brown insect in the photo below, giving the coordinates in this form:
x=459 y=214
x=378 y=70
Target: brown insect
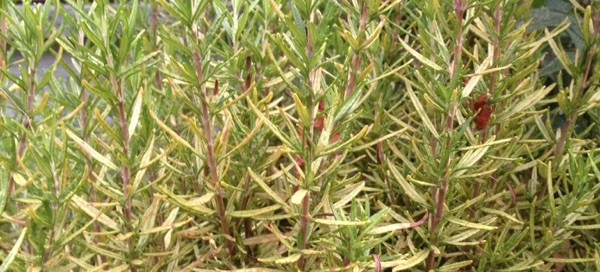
x=484 y=112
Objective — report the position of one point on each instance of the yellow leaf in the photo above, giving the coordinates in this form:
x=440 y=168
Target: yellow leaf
x=267 y=189
x=421 y=111
x=173 y=134
x=412 y=261
x=281 y=260
x=298 y=196
x=420 y=57
x=409 y=190
x=19 y=179
x=255 y=212
x=330 y=222
x=136 y=110
x=470 y=225
x=93 y=212
x=91 y=151
x=356 y=189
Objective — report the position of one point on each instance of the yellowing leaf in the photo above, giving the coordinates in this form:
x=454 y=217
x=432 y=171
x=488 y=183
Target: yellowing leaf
x=409 y=190
x=455 y=266
x=255 y=212
x=458 y=238
x=105 y=252
x=167 y=238
x=172 y=133
x=93 y=212
x=142 y=170
x=357 y=188
x=502 y=214
x=421 y=111
x=373 y=37
x=412 y=261
x=475 y=78
x=420 y=57
x=391 y=228
x=470 y=158
x=339 y=222
x=91 y=151
x=183 y=203
x=267 y=189
x=281 y=260
x=19 y=179
x=202 y=200
x=298 y=196
x=148 y=220
x=270 y=125
x=526 y=103
x=13 y=252
x=470 y=225
x=172 y=216
x=135 y=112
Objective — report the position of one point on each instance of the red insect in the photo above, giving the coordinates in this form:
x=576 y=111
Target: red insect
x=484 y=112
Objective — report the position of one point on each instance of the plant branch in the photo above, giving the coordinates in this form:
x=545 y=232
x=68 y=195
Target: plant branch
x=492 y=85
x=210 y=142
x=442 y=191
x=572 y=117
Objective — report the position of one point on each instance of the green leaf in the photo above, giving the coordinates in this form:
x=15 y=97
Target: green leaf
x=4 y=184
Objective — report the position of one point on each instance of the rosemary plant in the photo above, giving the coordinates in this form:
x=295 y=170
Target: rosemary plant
x=299 y=135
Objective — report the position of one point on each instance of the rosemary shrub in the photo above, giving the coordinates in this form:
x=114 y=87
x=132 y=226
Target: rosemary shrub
x=299 y=135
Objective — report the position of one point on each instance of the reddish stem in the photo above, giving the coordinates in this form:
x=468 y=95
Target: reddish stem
x=442 y=191
x=572 y=118
x=210 y=146
x=304 y=228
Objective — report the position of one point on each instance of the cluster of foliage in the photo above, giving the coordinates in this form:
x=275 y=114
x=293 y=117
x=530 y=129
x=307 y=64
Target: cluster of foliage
x=310 y=135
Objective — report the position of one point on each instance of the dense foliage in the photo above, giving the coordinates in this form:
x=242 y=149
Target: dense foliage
x=311 y=135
